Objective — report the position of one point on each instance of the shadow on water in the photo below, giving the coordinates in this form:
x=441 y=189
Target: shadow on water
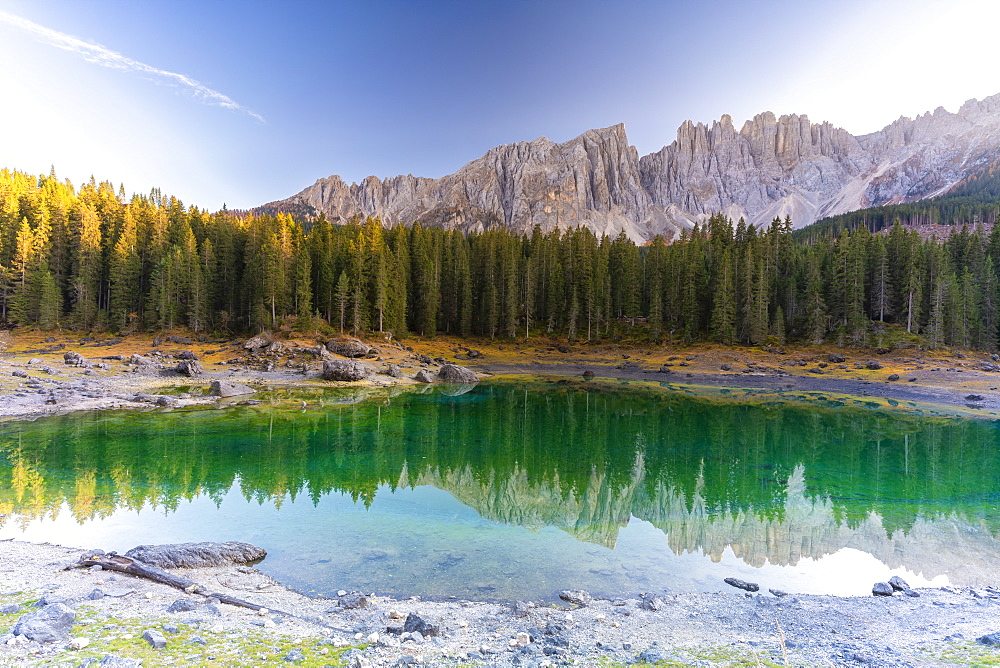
x=516 y=489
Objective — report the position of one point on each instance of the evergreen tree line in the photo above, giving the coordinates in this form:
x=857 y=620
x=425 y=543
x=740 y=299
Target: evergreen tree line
x=973 y=201
x=94 y=259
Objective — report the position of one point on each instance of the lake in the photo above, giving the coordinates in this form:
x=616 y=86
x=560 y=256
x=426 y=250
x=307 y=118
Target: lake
x=519 y=488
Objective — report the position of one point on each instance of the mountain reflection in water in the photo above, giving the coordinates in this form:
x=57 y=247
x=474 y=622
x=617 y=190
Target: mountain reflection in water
x=770 y=483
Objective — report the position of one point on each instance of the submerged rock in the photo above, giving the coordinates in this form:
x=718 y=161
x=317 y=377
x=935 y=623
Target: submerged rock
x=221 y=388
x=197 y=555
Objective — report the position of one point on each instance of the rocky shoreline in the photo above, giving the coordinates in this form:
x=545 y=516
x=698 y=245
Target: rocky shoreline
x=113 y=619
x=741 y=627
x=52 y=376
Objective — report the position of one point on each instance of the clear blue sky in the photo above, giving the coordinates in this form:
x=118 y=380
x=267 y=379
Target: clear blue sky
x=247 y=102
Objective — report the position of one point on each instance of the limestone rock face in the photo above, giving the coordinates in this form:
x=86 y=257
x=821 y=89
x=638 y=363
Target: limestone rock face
x=590 y=180
x=791 y=166
x=772 y=166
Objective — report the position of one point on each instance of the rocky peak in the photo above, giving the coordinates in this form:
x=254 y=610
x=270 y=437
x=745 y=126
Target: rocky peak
x=773 y=166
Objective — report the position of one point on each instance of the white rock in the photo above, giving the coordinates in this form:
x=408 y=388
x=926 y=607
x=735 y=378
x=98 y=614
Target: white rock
x=372 y=638
x=79 y=643
x=522 y=639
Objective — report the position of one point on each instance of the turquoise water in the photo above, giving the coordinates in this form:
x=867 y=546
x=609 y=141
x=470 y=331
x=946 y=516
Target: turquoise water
x=519 y=489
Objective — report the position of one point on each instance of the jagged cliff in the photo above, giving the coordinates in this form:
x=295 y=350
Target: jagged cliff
x=773 y=166
x=591 y=180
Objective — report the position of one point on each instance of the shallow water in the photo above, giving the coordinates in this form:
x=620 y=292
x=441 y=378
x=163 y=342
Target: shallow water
x=517 y=489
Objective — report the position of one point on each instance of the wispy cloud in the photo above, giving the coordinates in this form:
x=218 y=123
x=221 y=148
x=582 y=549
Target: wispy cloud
x=100 y=55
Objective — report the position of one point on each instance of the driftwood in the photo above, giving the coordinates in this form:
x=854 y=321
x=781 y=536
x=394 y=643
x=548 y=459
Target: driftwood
x=129 y=566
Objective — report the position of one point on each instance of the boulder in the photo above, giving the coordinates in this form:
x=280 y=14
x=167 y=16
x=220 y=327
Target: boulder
x=452 y=373
x=49 y=624
x=740 y=584
x=990 y=639
x=352 y=601
x=257 y=342
x=139 y=360
x=186 y=355
x=576 y=596
x=898 y=583
x=650 y=601
x=873 y=365
x=74 y=358
x=182 y=605
x=189 y=368
x=424 y=376
x=882 y=589
x=155 y=639
x=349 y=370
x=415 y=623
x=221 y=388
x=197 y=555
x=348 y=348
x=393 y=371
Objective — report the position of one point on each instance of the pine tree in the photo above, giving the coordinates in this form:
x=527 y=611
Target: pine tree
x=343 y=298
x=816 y=323
x=724 y=303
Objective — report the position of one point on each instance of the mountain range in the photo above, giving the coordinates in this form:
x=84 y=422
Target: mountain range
x=772 y=166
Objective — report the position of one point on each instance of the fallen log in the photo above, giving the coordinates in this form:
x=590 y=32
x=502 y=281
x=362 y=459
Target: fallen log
x=129 y=566
x=122 y=564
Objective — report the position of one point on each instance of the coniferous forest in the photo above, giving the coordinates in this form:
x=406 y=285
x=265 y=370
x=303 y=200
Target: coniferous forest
x=91 y=258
